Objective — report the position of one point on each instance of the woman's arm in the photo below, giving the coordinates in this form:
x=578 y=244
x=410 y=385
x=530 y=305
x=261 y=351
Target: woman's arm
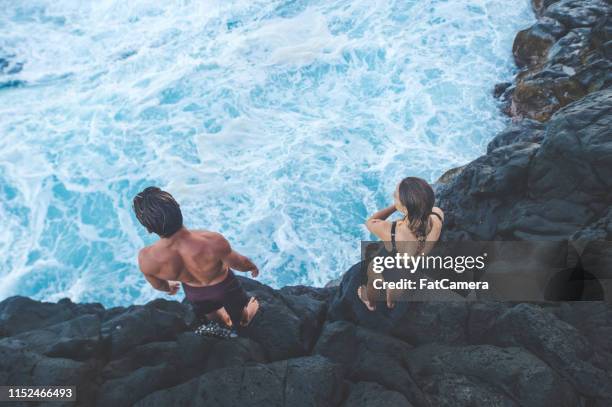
x=377 y=225
x=383 y=213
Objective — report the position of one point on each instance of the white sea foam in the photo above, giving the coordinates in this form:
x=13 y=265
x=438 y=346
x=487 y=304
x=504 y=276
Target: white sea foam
x=281 y=124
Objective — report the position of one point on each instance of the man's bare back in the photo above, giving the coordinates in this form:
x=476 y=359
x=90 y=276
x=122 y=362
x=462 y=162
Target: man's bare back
x=196 y=258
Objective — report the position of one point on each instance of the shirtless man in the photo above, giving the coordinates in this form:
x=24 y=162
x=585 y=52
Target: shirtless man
x=201 y=261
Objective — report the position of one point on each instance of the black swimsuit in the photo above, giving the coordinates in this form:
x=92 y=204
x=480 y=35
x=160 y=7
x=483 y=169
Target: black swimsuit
x=228 y=293
x=389 y=275
x=394 y=225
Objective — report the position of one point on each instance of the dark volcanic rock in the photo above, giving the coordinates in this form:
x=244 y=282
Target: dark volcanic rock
x=532 y=44
x=308 y=381
x=500 y=89
x=452 y=390
x=558 y=344
x=158 y=365
x=592 y=319
x=369 y=356
x=540 y=5
x=515 y=374
x=366 y=394
x=20 y=366
x=528 y=131
x=168 y=366
x=539 y=191
x=577 y=13
x=78 y=338
x=565 y=56
x=139 y=324
x=576 y=155
x=21 y=314
x=288 y=320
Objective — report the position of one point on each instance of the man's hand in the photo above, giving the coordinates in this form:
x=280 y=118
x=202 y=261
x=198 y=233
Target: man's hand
x=255 y=272
x=173 y=287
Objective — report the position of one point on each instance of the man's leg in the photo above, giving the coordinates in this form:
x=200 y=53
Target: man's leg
x=239 y=306
x=205 y=311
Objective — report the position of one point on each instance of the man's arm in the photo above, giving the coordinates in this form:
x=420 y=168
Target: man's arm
x=158 y=284
x=233 y=259
x=170 y=287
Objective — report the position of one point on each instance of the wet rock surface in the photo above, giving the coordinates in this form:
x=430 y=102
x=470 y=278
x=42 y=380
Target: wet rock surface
x=547 y=176
x=564 y=56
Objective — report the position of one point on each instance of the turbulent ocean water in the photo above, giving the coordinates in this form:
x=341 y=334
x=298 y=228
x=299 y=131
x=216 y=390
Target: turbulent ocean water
x=281 y=124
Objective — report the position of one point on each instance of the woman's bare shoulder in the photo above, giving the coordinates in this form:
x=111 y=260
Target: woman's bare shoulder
x=438 y=211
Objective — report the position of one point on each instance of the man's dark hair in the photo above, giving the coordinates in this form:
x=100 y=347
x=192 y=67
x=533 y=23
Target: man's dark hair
x=158 y=211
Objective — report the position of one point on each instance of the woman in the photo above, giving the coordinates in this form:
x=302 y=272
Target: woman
x=422 y=223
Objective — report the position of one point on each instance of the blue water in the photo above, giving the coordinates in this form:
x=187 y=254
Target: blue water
x=281 y=124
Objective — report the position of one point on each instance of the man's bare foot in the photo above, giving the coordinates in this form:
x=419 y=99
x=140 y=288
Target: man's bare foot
x=249 y=311
x=361 y=293
x=221 y=316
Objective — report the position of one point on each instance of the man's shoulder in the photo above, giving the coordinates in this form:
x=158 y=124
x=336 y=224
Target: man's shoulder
x=144 y=258
x=210 y=236
x=146 y=251
x=214 y=241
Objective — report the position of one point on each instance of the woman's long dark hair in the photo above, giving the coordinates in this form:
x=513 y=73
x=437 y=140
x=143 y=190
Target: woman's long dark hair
x=418 y=197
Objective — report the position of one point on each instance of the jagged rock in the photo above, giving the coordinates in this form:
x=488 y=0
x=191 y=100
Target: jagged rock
x=136 y=385
x=369 y=356
x=526 y=130
x=577 y=13
x=540 y=5
x=138 y=324
x=287 y=322
x=558 y=344
x=546 y=190
x=157 y=365
x=455 y=390
x=500 y=88
x=511 y=372
x=538 y=95
x=449 y=175
x=566 y=55
x=78 y=338
x=575 y=161
x=311 y=305
x=307 y=381
x=532 y=44
x=21 y=314
x=19 y=366
x=592 y=319
x=367 y=394
x=481 y=316
x=601 y=37
x=489 y=185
